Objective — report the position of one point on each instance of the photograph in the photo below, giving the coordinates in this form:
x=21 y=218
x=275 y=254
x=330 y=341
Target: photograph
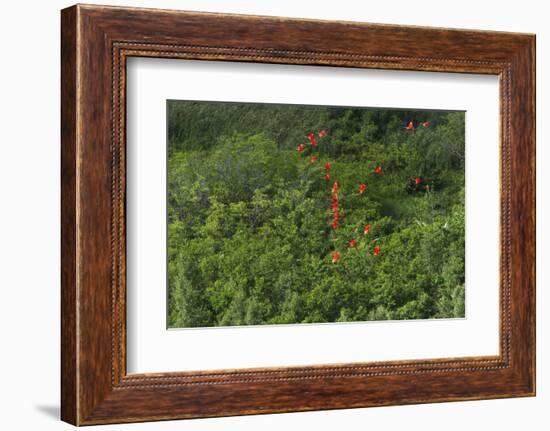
x=297 y=214
x=265 y=210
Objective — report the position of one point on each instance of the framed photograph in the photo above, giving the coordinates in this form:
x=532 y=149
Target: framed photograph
x=265 y=215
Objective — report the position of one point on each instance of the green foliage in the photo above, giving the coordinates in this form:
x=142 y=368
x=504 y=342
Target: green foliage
x=249 y=235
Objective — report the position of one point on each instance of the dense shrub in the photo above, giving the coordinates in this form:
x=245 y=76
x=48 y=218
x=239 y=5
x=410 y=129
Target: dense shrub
x=249 y=234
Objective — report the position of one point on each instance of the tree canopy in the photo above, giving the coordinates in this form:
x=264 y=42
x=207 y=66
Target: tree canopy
x=284 y=214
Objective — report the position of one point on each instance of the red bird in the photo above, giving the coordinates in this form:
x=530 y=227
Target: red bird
x=376 y=250
x=313 y=159
x=362 y=187
x=366 y=229
x=352 y=243
x=418 y=180
x=378 y=170
x=410 y=126
x=327 y=177
x=311 y=138
x=336 y=215
x=335 y=206
x=334 y=224
x=335 y=198
x=335 y=188
x=327 y=166
x=300 y=148
x=335 y=257
x=323 y=133
x=425 y=124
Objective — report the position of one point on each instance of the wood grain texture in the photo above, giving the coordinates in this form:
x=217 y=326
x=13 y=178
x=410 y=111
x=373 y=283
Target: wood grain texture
x=96 y=41
x=69 y=366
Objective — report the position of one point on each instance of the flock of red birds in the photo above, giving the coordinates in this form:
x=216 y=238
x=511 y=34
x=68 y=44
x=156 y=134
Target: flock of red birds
x=410 y=126
x=335 y=208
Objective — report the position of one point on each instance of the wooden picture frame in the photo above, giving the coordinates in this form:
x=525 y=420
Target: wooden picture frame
x=95 y=43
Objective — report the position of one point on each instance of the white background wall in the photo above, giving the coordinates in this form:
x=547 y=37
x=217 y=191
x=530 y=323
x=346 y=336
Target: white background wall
x=29 y=215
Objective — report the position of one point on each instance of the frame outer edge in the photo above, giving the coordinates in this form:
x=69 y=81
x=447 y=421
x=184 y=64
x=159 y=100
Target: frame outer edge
x=530 y=63
x=532 y=101
x=69 y=211
x=523 y=215
x=533 y=54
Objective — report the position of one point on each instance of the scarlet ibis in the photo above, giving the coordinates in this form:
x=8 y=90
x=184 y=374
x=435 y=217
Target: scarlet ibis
x=313 y=159
x=336 y=215
x=352 y=243
x=327 y=166
x=300 y=148
x=376 y=250
x=410 y=126
x=327 y=177
x=335 y=198
x=334 y=224
x=335 y=257
x=335 y=188
x=418 y=180
x=323 y=133
x=425 y=124
x=366 y=229
x=362 y=187
x=335 y=206
x=378 y=170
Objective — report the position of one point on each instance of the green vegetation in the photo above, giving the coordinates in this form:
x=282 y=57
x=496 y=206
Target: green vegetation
x=250 y=239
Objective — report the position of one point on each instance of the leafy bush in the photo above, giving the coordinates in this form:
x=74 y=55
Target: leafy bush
x=250 y=239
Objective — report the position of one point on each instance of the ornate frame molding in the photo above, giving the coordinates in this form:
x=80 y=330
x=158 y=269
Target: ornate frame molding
x=96 y=41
